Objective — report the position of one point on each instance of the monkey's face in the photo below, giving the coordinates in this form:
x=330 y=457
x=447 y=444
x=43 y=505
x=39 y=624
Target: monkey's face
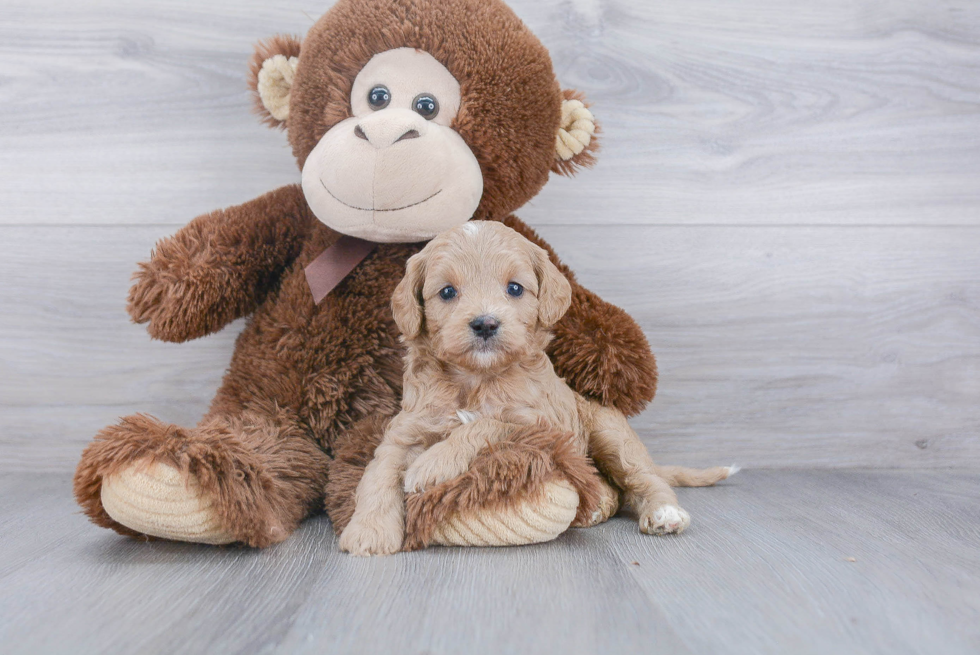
x=411 y=117
x=396 y=171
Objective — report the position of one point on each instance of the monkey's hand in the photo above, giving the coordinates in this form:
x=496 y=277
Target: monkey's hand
x=603 y=354
x=598 y=348
x=219 y=266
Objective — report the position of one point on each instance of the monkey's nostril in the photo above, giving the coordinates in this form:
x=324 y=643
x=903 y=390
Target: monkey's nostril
x=411 y=134
x=484 y=326
x=359 y=133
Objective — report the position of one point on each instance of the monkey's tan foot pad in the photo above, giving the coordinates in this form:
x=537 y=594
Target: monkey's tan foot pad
x=526 y=522
x=158 y=500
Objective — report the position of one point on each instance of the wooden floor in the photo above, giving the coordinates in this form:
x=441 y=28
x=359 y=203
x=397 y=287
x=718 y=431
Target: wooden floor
x=774 y=562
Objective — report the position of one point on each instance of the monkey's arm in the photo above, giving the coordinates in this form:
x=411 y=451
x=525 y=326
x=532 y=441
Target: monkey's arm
x=598 y=348
x=219 y=266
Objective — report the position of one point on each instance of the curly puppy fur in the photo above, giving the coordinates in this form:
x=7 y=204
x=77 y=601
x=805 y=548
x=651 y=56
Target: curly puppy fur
x=308 y=372
x=475 y=310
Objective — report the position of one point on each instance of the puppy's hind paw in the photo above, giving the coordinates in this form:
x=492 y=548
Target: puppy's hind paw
x=666 y=519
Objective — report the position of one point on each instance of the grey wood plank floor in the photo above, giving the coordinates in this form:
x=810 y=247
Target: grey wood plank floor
x=766 y=567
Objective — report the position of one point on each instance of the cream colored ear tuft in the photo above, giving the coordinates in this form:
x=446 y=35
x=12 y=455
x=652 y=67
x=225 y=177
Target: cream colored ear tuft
x=577 y=128
x=274 y=84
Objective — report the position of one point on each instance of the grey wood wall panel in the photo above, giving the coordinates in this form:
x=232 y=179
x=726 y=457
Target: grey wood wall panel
x=749 y=151
x=763 y=569
x=778 y=346
x=843 y=112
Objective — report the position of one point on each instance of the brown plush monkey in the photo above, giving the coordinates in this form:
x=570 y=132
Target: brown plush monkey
x=406 y=117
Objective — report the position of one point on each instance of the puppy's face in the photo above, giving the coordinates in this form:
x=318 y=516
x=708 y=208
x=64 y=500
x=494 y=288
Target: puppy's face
x=481 y=295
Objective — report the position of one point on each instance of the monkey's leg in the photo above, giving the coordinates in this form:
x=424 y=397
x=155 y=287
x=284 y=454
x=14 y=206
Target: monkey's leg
x=528 y=488
x=249 y=478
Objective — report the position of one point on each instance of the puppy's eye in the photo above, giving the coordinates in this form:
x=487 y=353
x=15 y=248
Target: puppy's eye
x=514 y=289
x=426 y=106
x=448 y=293
x=379 y=97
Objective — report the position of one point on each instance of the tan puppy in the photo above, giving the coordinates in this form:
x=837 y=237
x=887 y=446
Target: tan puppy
x=475 y=308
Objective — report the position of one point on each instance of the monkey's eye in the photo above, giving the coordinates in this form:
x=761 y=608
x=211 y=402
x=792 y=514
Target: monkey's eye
x=426 y=106
x=514 y=289
x=379 y=97
x=448 y=293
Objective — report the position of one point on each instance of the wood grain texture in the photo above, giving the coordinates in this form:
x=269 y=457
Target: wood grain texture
x=778 y=346
x=763 y=569
x=760 y=112
x=787 y=201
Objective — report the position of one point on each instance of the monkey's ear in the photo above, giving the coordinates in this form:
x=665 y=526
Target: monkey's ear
x=270 y=76
x=406 y=302
x=554 y=290
x=576 y=142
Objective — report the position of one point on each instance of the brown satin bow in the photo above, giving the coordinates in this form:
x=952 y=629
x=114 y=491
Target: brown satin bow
x=335 y=263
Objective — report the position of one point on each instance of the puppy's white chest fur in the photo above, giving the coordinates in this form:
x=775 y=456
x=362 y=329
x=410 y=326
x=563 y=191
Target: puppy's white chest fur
x=466 y=417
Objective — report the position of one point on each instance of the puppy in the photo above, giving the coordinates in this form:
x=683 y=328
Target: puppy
x=474 y=309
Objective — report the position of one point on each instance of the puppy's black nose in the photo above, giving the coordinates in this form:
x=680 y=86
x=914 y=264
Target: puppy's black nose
x=484 y=326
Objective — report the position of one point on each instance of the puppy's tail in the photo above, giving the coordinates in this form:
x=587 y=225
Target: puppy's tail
x=681 y=476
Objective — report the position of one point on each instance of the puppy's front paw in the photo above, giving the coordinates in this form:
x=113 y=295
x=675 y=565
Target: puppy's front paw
x=666 y=519
x=439 y=463
x=362 y=538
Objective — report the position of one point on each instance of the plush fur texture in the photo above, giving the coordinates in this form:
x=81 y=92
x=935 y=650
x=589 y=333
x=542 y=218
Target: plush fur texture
x=262 y=473
x=280 y=44
x=514 y=470
x=467 y=390
x=219 y=267
x=302 y=374
x=353 y=451
x=511 y=472
x=483 y=44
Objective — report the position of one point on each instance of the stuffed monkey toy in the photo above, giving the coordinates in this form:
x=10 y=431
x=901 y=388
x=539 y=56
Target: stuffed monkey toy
x=406 y=117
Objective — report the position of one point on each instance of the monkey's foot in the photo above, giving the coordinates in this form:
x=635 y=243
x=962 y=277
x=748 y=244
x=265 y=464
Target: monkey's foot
x=156 y=499
x=524 y=522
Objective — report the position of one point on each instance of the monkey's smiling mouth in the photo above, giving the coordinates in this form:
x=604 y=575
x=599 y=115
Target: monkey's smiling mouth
x=369 y=209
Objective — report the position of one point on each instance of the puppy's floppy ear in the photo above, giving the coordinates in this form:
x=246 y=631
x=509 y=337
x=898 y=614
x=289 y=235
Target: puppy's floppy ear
x=270 y=76
x=406 y=302
x=576 y=142
x=554 y=290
